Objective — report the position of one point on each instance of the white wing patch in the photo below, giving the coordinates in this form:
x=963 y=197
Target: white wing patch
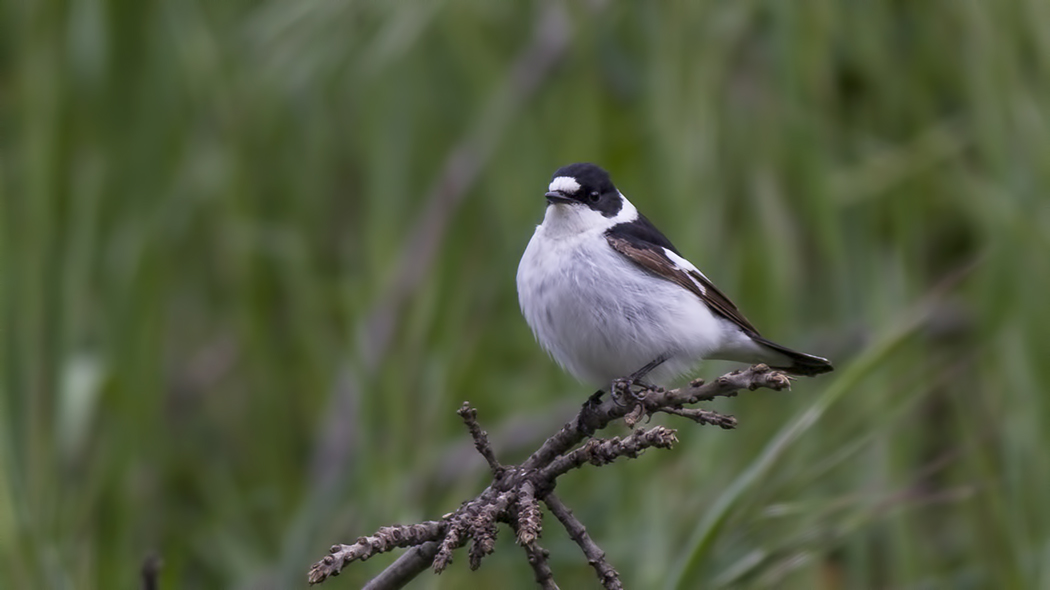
x=564 y=184
x=688 y=267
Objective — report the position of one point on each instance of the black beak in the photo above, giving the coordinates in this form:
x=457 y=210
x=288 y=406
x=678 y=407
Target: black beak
x=554 y=197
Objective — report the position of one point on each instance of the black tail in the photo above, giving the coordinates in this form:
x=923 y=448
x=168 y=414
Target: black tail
x=801 y=363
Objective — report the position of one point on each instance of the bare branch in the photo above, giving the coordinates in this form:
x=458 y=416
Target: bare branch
x=512 y=496
x=481 y=438
x=385 y=539
x=530 y=519
x=483 y=530
x=602 y=452
x=528 y=526
x=701 y=416
x=454 y=539
x=541 y=568
x=608 y=576
x=405 y=568
x=594 y=417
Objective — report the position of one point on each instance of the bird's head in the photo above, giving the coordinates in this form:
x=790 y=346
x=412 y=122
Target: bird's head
x=582 y=197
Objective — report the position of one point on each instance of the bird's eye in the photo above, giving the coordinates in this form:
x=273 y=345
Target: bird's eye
x=594 y=197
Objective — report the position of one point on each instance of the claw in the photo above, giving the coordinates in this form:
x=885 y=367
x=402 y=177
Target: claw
x=620 y=387
x=628 y=391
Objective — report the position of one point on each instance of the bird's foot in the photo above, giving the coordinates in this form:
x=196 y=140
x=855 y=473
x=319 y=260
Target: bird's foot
x=595 y=399
x=629 y=391
x=632 y=389
x=587 y=414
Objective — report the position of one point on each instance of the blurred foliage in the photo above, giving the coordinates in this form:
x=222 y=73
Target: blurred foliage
x=203 y=204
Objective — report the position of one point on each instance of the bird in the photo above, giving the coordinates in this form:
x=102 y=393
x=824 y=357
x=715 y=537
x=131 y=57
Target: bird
x=609 y=297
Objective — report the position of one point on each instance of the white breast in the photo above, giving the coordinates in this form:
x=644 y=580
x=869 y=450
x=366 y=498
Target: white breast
x=601 y=316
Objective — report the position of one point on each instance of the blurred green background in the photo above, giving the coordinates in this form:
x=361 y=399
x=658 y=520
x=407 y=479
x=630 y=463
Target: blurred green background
x=255 y=254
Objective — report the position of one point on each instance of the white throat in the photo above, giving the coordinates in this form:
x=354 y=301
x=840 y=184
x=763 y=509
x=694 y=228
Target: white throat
x=566 y=220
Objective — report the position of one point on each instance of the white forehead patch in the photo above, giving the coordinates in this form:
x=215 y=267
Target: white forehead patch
x=564 y=184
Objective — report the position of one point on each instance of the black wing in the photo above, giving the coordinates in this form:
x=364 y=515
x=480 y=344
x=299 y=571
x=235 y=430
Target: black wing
x=644 y=245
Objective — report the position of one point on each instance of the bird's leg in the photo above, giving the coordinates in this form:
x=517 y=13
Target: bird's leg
x=620 y=390
x=637 y=376
x=624 y=385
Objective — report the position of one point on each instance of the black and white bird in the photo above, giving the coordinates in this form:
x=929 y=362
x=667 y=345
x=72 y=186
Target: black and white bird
x=608 y=296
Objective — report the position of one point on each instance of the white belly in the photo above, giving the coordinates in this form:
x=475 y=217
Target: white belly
x=602 y=317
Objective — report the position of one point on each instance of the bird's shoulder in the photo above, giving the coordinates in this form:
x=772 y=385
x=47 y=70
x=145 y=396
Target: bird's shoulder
x=641 y=233
x=647 y=247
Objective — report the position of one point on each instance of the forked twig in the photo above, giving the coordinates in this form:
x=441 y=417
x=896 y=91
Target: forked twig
x=514 y=494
